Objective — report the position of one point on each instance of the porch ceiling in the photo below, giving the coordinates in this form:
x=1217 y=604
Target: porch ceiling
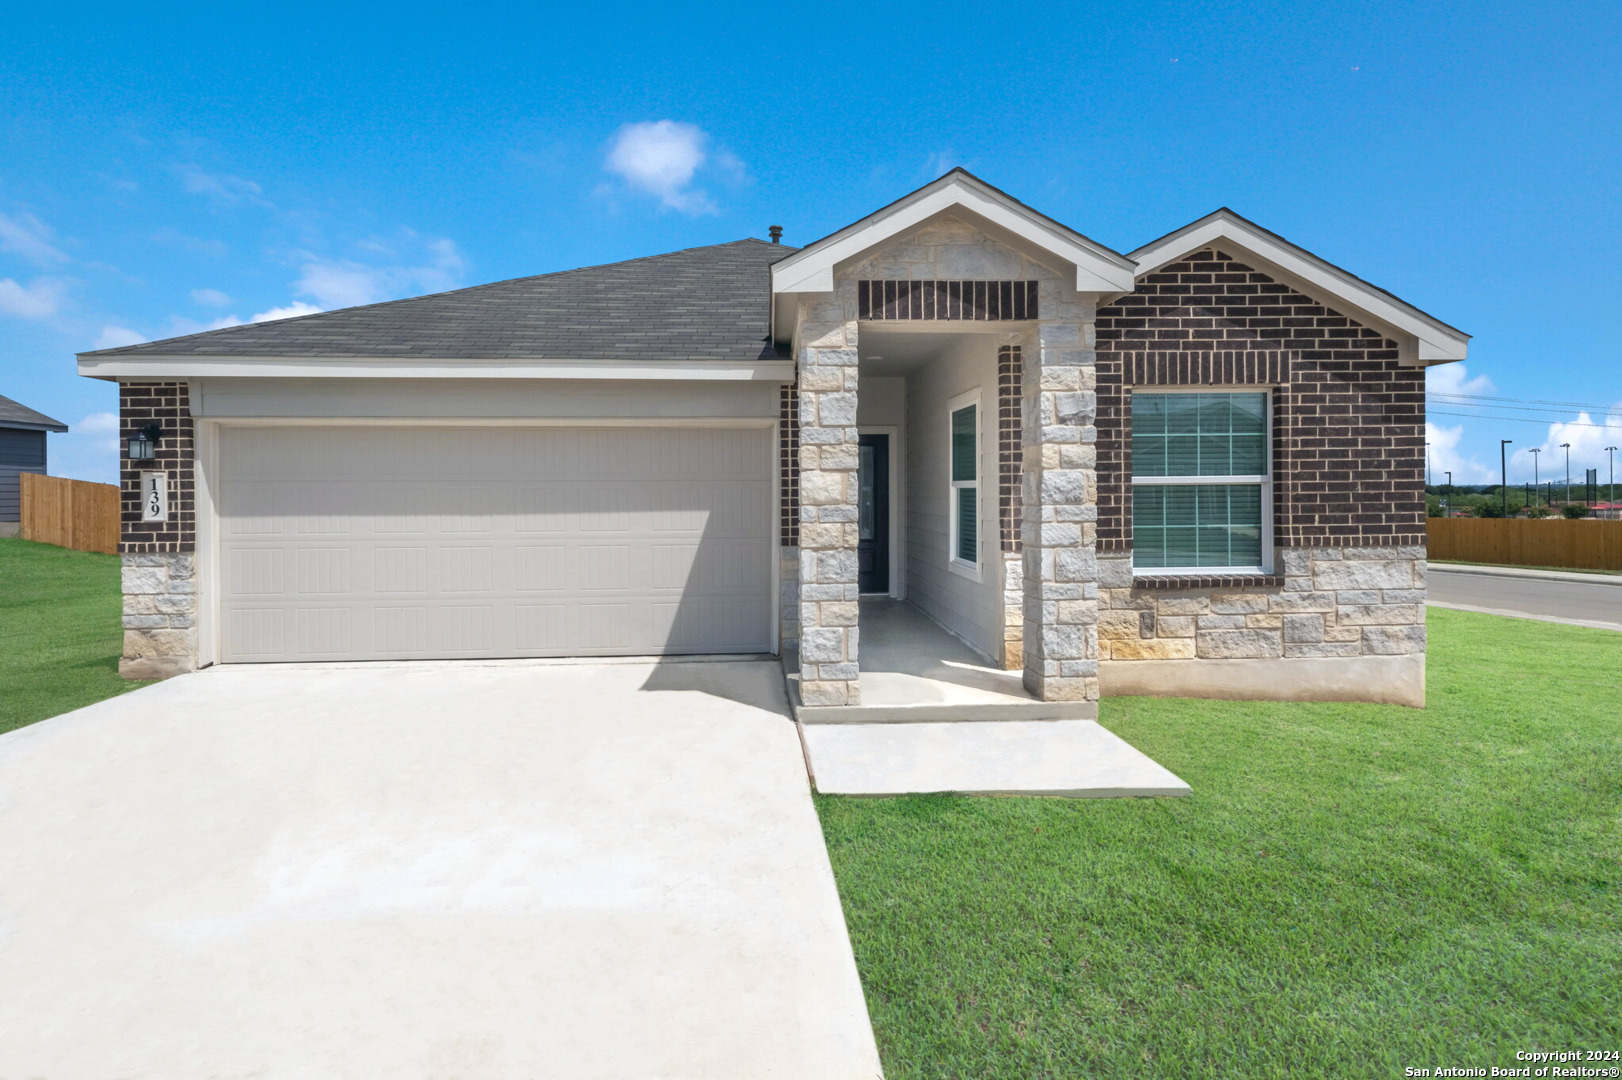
x=897 y=352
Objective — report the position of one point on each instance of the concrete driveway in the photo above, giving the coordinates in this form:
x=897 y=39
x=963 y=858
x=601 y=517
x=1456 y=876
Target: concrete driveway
x=447 y=870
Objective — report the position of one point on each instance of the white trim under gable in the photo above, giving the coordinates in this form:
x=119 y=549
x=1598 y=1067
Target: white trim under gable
x=1422 y=339
x=811 y=269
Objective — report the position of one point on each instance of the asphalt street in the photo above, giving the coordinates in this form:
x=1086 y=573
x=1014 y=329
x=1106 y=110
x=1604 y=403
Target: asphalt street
x=1598 y=602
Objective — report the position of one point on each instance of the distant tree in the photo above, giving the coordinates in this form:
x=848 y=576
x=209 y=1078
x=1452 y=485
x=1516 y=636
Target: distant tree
x=1537 y=511
x=1573 y=511
x=1490 y=509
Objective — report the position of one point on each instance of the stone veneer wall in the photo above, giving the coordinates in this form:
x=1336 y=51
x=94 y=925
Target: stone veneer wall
x=1059 y=530
x=829 y=613
x=159 y=561
x=1334 y=602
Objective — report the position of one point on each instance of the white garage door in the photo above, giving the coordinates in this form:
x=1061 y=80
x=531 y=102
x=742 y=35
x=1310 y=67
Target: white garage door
x=346 y=543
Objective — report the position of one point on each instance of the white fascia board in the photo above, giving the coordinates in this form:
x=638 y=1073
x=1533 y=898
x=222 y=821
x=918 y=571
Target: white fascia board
x=811 y=270
x=192 y=367
x=1423 y=339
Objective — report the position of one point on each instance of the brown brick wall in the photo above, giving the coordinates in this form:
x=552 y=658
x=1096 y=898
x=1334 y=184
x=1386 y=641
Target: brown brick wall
x=1010 y=444
x=1348 y=422
x=169 y=405
x=788 y=465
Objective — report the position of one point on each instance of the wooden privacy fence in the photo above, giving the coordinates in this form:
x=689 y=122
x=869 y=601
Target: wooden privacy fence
x=1581 y=544
x=70 y=513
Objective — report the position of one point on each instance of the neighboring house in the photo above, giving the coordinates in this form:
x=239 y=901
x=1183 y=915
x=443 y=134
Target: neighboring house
x=22 y=449
x=1195 y=469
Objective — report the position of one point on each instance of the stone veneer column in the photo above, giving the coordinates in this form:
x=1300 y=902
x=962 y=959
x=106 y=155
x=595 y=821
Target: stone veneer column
x=826 y=346
x=159 y=560
x=1059 y=526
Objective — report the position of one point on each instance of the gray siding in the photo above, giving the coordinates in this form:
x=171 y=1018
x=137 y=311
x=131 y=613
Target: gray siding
x=20 y=452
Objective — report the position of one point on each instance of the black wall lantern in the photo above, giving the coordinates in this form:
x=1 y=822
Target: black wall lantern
x=144 y=443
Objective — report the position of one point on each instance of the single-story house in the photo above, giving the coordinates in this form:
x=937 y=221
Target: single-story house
x=1196 y=468
x=22 y=449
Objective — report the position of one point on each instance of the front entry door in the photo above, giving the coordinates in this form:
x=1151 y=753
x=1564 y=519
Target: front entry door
x=873 y=506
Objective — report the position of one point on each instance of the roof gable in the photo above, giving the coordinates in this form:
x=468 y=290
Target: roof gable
x=1098 y=269
x=15 y=415
x=1421 y=338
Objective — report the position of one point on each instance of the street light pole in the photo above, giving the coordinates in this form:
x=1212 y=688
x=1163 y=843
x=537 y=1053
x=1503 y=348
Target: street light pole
x=1568 y=470
x=1610 y=492
x=1427 y=465
x=1503 y=473
x=1447 y=500
x=1535 y=451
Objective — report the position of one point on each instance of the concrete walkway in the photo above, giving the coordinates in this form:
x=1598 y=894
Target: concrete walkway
x=426 y=870
x=1073 y=758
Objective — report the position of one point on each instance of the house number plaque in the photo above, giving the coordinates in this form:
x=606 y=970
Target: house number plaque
x=154 y=496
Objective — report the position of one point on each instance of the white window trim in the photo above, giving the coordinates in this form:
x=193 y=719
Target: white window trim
x=1265 y=480
x=974 y=571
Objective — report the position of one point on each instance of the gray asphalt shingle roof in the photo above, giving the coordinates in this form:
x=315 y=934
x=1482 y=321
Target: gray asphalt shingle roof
x=704 y=303
x=16 y=415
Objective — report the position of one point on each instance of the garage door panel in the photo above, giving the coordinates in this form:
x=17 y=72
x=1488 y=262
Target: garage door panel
x=541 y=568
x=503 y=542
x=323 y=570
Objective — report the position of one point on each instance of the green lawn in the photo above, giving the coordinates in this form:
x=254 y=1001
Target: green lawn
x=59 y=631
x=1351 y=889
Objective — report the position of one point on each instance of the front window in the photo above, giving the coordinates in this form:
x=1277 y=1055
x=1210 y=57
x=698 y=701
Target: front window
x=1201 y=493
x=965 y=506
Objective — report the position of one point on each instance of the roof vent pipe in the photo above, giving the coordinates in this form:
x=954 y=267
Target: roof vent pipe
x=776 y=233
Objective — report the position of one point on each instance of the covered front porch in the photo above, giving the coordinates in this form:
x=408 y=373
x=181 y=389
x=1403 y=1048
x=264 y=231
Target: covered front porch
x=914 y=670
x=955 y=330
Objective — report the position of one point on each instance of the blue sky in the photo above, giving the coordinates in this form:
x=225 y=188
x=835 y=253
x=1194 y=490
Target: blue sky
x=168 y=169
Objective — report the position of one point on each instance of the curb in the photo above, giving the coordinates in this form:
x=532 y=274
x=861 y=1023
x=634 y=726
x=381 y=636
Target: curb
x=1534 y=575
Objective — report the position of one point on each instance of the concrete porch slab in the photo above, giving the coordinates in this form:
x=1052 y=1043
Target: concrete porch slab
x=914 y=671
x=1071 y=758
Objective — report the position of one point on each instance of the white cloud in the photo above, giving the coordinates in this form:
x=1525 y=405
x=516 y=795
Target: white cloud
x=89 y=450
x=1588 y=437
x=116 y=337
x=196 y=244
x=210 y=297
x=941 y=162
x=1444 y=456
x=1455 y=379
x=293 y=310
x=220 y=187
x=104 y=424
x=39 y=299
x=661 y=158
x=28 y=236
x=1444 y=453
x=336 y=283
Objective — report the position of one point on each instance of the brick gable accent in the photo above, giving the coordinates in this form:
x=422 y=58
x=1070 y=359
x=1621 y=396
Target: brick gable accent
x=168 y=404
x=1348 y=421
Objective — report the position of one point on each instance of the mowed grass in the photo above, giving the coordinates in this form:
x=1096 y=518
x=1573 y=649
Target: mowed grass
x=60 y=636
x=1350 y=890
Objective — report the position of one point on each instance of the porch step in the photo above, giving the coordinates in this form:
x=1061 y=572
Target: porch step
x=888 y=698
x=1068 y=758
